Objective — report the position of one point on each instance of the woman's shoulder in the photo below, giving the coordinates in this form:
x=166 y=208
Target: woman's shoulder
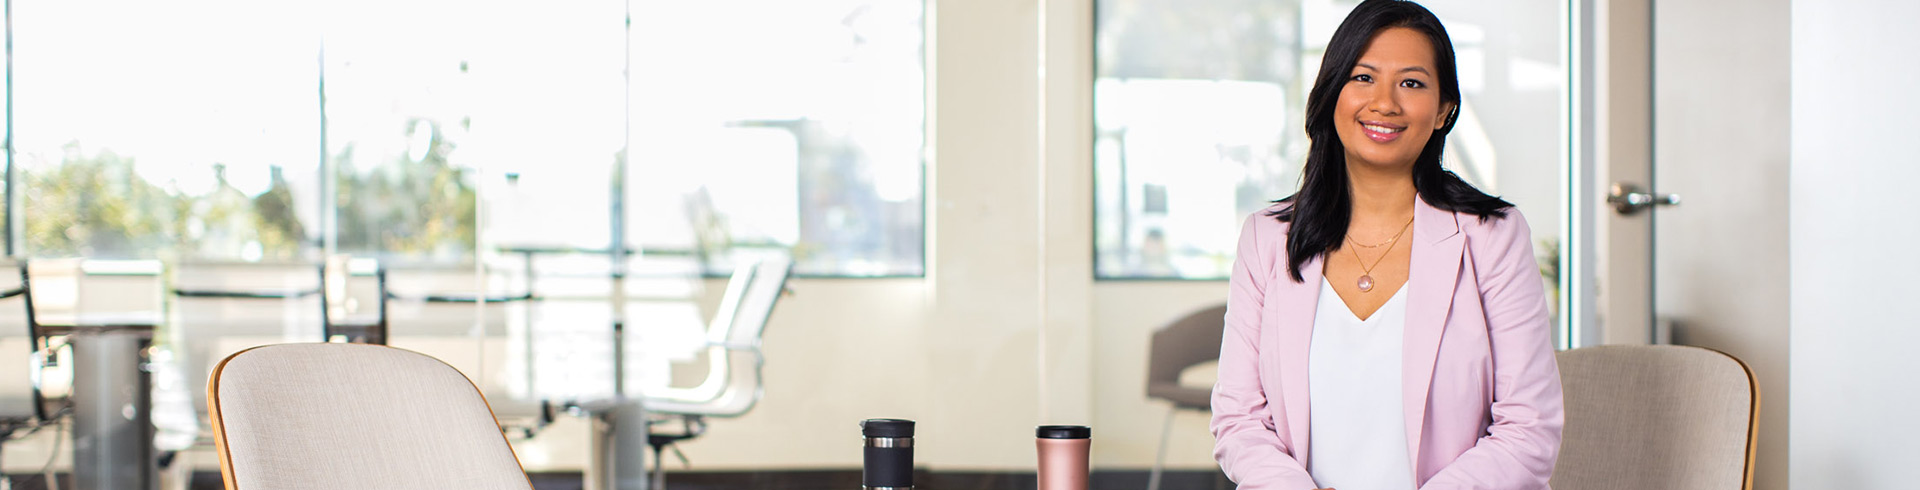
x=1264 y=225
x=1495 y=236
x=1263 y=237
x=1508 y=224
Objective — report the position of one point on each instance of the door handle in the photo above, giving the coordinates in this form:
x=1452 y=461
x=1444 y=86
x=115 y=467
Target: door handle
x=1629 y=199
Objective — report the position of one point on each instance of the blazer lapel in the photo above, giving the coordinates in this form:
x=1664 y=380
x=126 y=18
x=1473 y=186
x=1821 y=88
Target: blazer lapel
x=1437 y=248
x=1294 y=323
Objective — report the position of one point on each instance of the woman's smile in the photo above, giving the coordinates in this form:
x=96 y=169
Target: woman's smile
x=1382 y=132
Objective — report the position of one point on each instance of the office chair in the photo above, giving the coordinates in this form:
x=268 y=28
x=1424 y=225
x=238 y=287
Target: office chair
x=224 y=307
x=1190 y=341
x=1656 y=416
x=341 y=415
x=732 y=385
x=20 y=409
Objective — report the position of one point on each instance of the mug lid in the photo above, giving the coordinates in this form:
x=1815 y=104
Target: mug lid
x=886 y=428
x=1064 y=432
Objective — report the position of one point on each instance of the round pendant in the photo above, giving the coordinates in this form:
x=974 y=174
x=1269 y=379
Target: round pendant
x=1366 y=283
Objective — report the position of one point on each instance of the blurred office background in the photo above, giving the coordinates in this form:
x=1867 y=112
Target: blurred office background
x=990 y=206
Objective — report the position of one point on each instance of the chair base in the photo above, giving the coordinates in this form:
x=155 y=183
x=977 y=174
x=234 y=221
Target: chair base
x=1160 y=459
x=691 y=426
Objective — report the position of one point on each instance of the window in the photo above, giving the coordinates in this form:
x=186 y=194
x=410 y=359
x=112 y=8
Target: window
x=477 y=147
x=798 y=125
x=1197 y=108
x=165 y=147
x=772 y=122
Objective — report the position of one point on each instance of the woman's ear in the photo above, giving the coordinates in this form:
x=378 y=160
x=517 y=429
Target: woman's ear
x=1447 y=110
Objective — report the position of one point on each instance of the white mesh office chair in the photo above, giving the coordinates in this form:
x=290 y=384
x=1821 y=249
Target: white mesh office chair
x=18 y=410
x=732 y=385
x=338 y=415
x=41 y=396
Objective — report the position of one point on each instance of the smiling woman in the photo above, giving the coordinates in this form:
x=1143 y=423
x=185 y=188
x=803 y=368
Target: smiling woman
x=1427 y=315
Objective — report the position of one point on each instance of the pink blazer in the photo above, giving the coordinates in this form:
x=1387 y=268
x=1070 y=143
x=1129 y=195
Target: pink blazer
x=1483 y=408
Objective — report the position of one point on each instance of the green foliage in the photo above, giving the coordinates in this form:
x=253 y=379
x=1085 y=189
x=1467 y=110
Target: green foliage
x=94 y=205
x=98 y=206
x=420 y=209
x=280 y=233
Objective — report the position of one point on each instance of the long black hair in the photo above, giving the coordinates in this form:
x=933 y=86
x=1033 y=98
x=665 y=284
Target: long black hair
x=1321 y=210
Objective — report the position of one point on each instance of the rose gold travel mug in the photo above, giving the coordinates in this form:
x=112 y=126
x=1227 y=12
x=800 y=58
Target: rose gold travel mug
x=1063 y=456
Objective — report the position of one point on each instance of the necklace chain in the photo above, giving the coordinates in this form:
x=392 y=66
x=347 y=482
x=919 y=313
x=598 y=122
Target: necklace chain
x=1363 y=245
x=1367 y=270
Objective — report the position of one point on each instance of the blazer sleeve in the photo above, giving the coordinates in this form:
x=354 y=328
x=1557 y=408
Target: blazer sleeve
x=1519 y=448
x=1245 y=443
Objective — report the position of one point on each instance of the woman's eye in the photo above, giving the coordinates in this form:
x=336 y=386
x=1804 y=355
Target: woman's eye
x=1412 y=84
x=1362 y=78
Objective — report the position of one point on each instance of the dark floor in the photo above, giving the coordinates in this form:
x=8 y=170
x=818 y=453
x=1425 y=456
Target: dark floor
x=809 y=480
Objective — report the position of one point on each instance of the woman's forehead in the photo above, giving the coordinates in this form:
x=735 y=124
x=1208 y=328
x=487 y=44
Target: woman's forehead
x=1396 y=49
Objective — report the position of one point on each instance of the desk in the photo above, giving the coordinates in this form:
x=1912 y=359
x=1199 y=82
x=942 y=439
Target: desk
x=112 y=400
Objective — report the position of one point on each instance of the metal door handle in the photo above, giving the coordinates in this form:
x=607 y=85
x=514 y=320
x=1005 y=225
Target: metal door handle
x=1629 y=199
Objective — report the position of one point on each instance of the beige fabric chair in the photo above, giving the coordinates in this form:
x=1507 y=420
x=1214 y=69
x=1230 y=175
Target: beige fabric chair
x=328 y=416
x=1656 y=417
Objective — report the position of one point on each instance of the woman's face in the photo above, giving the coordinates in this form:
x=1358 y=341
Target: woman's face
x=1391 y=104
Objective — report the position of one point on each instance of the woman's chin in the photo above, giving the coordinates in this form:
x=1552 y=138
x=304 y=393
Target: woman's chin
x=1382 y=161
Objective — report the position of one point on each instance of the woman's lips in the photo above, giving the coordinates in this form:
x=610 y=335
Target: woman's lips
x=1382 y=133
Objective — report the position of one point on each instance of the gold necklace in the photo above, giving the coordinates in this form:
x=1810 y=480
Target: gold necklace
x=1366 y=271
x=1362 y=245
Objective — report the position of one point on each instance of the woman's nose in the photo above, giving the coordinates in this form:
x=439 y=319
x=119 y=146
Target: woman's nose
x=1384 y=101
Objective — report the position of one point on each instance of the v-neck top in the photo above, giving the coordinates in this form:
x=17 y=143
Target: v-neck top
x=1358 y=438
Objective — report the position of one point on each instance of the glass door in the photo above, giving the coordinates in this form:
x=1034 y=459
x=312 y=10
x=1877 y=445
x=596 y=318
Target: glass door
x=1696 y=106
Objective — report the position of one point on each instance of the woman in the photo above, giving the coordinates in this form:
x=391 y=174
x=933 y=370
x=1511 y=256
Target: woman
x=1386 y=325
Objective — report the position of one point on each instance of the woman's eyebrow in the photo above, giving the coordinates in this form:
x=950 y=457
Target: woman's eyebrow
x=1417 y=68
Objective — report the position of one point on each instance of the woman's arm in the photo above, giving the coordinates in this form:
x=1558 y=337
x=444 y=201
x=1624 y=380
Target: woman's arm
x=1245 y=444
x=1519 y=449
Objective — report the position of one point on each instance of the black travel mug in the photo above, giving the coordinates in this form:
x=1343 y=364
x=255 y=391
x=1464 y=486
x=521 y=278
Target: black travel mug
x=889 y=454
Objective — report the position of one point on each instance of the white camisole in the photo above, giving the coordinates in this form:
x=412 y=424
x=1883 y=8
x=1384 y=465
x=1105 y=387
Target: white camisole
x=1358 y=438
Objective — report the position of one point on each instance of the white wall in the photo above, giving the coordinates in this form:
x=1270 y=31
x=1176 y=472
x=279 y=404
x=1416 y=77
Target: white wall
x=1854 y=225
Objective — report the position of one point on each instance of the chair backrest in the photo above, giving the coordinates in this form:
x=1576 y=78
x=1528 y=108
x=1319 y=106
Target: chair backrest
x=1189 y=341
x=756 y=303
x=53 y=296
x=226 y=307
x=354 y=416
x=16 y=377
x=1656 y=417
x=732 y=385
